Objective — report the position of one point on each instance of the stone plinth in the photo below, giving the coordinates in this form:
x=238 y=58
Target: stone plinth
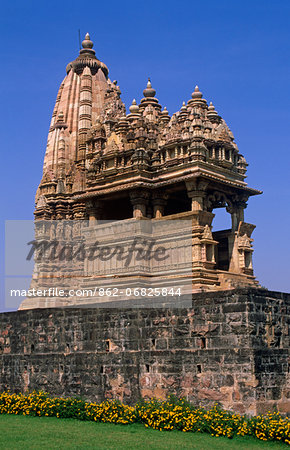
x=230 y=347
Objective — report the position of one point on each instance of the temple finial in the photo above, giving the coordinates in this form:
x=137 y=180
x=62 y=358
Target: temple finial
x=211 y=111
x=196 y=93
x=183 y=109
x=164 y=115
x=134 y=108
x=149 y=91
x=87 y=43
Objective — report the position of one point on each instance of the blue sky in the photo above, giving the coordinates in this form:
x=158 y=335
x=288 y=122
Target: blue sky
x=238 y=52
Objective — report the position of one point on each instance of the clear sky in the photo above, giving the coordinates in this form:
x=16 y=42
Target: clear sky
x=238 y=52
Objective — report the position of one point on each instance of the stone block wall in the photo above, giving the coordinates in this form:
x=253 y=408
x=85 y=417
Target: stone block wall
x=230 y=347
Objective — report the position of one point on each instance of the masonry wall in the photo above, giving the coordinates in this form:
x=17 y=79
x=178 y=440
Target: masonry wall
x=230 y=347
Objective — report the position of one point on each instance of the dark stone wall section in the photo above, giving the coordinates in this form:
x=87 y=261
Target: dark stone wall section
x=229 y=347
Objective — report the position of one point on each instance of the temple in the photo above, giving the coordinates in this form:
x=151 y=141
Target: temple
x=103 y=164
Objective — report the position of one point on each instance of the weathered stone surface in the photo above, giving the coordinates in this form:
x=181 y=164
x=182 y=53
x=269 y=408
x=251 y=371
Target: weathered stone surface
x=198 y=352
x=103 y=164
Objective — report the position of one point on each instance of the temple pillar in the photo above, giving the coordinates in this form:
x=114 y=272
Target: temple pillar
x=240 y=213
x=94 y=209
x=159 y=201
x=203 y=244
x=196 y=190
x=139 y=200
x=235 y=222
x=237 y=213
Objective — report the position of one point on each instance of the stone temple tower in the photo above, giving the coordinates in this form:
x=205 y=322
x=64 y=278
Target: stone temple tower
x=103 y=164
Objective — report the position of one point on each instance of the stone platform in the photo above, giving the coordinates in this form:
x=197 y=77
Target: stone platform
x=229 y=347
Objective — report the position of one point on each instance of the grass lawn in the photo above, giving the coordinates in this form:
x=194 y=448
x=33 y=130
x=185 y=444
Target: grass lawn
x=23 y=432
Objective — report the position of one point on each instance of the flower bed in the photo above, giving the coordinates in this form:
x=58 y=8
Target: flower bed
x=172 y=414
